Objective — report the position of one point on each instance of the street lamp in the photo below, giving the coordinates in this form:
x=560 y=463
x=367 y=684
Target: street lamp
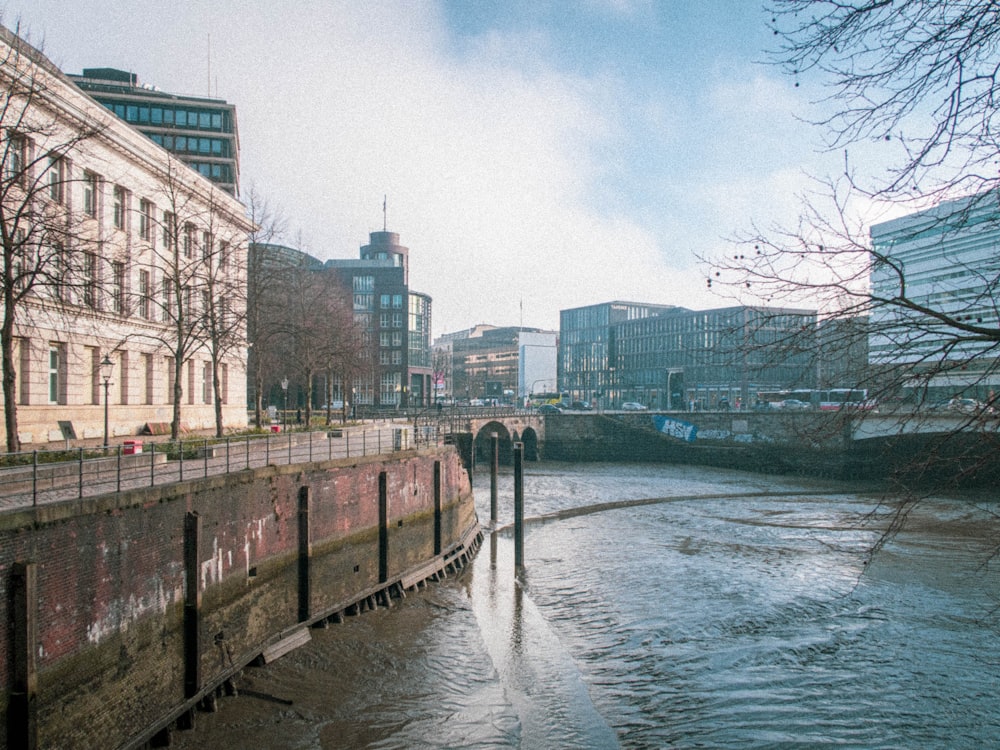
x=106 y=366
x=284 y=415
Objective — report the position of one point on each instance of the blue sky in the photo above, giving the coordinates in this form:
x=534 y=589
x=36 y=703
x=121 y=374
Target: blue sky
x=536 y=155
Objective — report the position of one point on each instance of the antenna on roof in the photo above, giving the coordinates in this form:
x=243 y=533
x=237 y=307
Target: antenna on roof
x=384 y=214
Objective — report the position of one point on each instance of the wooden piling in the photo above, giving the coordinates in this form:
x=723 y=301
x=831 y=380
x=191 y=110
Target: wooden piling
x=518 y=506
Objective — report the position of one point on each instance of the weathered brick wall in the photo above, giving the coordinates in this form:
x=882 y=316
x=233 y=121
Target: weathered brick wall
x=111 y=578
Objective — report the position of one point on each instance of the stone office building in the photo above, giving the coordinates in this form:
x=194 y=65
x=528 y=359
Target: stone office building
x=120 y=251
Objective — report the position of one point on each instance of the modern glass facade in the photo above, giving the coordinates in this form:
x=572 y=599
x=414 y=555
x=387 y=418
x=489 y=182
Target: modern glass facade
x=672 y=358
x=201 y=132
x=949 y=258
x=686 y=358
x=586 y=347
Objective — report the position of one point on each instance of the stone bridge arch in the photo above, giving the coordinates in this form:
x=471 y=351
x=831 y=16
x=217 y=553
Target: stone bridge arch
x=526 y=429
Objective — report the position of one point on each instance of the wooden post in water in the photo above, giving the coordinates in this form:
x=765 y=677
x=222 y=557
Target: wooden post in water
x=494 y=467
x=518 y=506
x=22 y=732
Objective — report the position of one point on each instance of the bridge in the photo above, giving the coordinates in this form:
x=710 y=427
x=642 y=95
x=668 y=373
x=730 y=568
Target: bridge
x=807 y=429
x=508 y=424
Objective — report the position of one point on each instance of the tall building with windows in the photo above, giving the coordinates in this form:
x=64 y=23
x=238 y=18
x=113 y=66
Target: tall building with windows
x=398 y=320
x=949 y=258
x=587 y=347
x=200 y=131
x=120 y=255
x=667 y=357
x=498 y=364
x=395 y=320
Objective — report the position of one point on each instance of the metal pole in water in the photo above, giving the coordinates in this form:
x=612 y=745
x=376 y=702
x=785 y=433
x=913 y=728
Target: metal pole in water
x=494 y=466
x=518 y=506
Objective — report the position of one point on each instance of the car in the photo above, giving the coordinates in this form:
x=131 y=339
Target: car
x=964 y=406
x=549 y=409
x=794 y=403
x=580 y=406
x=633 y=406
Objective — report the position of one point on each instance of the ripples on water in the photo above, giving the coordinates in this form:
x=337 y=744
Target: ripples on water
x=735 y=611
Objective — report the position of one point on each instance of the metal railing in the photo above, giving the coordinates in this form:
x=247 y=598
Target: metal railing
x=45 y=476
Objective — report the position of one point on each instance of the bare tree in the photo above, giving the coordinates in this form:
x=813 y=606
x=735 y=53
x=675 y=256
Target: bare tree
x=888 y=261
x=266 y=266
x=223 y=295
x=316 y=328
x=46 y=246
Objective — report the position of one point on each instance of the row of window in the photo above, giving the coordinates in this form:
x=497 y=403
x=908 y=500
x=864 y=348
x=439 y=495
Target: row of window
x=135 y=378
x=179 y=117
x=182 y=144
x=57 y=176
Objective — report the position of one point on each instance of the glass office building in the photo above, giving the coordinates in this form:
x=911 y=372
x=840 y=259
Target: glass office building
x=201 y=132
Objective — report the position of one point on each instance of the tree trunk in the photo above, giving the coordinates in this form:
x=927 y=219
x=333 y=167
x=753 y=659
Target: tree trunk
x=175 y=424
x=217 y=392
x=9 y=381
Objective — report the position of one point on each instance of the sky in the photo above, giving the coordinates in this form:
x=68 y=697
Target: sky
x=533 y=155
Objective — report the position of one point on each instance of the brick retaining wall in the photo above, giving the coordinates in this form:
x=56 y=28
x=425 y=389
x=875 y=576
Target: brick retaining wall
x=112 y=641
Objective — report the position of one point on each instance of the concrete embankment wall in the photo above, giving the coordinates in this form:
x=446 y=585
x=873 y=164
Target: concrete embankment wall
x=121 y=612
x=804 y=443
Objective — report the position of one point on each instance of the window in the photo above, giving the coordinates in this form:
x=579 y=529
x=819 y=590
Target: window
x=15 y=158
x=206 y=383
x=90 y=280
x=119 y=207
x=397 y=301
x=364 y=283
x=225 y=384
x=24 y=373
x=171 y=379
x=168 y=301
x=189 y=241
x=206 y=245
x=123 y=373
x=54 y=178
x=56 y=377
x=223 y=255
x=145 y=219
x=95 y=375
x=169 y=231
x=145 y=303
x=118 y=287
x=147 y=361
x=90 y=194
x=58 y=261
x=383 y=301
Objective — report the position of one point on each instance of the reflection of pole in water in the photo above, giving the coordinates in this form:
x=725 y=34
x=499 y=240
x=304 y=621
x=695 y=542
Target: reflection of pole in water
x=494 y=467
x=518 y=506
x=517 y=620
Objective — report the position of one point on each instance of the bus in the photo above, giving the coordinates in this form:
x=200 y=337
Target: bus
x=824 y=399
x=537 y=399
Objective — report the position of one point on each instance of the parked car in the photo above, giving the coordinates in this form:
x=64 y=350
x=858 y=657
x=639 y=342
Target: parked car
x=794 y=403
x=549 y=409
x=633 y=406
x=964 y=406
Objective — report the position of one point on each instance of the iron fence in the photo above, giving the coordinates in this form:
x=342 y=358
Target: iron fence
x=45 y=476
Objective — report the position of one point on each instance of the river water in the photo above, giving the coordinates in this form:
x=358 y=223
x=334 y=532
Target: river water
x=663 y=607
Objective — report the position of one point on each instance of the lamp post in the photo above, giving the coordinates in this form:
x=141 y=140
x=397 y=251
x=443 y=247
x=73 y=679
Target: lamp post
x=284 y=412
x=106 y=366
